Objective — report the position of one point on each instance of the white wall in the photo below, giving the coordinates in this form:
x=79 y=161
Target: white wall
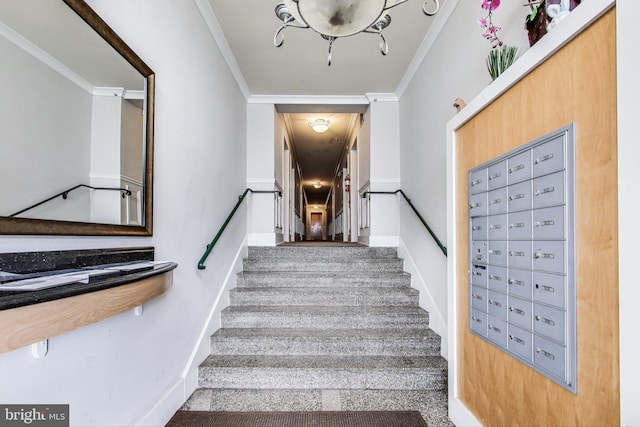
x=114 y=372
x=45 y=121
x=453 y=68
x=261 y=171
x=628 y=58
x=384 y=146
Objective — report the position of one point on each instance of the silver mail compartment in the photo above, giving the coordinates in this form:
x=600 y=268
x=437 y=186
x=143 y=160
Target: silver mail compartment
x=519 y=167
x=497 y=227
x=497 y=252
x=548 y=190
x=497 y=175
x=479 y=228
x=497 y=304
x=519 y=224
x=548 y=256
x=550 y=356
x=497 y=201
x=497 y=278
x=520 y=254
x=479 y=275
x=478 y=181
x=549 y=288
x=478 y=205
x=478 y=322
x=548 y=223
x=497 y=331
x=479 y=298
x=479 y=252
x=549 y=322
x=519 y=283
x=548 y=157
x=520 y=342
x=519 y=197
x=520 y=312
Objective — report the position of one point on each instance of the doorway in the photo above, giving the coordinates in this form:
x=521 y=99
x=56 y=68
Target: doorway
x=316 y=226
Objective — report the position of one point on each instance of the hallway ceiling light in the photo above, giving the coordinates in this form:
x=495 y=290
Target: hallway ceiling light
x=319 y=125
x=340 y=18
x=317 y=184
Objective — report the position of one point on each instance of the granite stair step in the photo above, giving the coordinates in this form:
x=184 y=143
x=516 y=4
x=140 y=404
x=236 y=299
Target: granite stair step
x=327 y=372
x=324 y=296
x=328 y=317
x=326 y=252
x=320 y=265
x=320 y=342
x=284 y=279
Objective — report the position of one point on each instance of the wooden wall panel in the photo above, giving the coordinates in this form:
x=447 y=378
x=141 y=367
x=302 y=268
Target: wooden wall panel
x=577 y=84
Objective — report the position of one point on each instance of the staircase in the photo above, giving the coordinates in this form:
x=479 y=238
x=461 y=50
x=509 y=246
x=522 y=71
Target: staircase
x=324 y=328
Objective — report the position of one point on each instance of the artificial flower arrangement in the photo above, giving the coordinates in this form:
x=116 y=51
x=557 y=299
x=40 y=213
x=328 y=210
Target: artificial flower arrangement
x=501 y=55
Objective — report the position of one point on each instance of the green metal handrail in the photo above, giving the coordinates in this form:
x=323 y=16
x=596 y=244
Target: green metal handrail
x=433 y=235
x=210 y=246
x=65 y=195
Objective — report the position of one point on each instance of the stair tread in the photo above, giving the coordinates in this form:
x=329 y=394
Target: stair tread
x=310 y=334
x=328 y=362
x=313 y=274
x=326 y=290
x=328 y=310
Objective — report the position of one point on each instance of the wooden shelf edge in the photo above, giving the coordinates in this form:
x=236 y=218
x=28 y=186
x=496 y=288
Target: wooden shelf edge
x=29 y=324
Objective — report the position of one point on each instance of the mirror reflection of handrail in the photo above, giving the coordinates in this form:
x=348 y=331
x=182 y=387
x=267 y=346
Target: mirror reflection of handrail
x=433 y=235
x=64 y=194
x=210 y=246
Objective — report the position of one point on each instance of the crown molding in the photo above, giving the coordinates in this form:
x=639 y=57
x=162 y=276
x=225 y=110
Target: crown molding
x=218 y=36
x=427 y=43
x=308 y=99
x=48 y=60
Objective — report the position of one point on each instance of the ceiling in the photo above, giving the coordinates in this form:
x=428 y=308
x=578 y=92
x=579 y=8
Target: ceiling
x=299 y=68
x=32 y=24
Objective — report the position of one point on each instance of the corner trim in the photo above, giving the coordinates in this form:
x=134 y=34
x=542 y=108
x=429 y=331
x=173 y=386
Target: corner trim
x=218 y=36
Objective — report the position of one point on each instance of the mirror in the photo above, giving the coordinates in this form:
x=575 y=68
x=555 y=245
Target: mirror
x=76 y=124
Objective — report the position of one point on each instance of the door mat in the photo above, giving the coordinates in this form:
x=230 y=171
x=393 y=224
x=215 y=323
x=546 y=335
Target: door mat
x=298 y=419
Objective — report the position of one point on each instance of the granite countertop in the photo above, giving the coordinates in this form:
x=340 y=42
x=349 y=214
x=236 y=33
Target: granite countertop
x=34 y=277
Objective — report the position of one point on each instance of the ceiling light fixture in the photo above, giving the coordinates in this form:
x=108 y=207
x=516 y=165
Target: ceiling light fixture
x=317 y=184
x=319 y=125
x=340 y=18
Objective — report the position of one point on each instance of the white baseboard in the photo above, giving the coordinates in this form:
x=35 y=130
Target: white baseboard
x=460 y=415
x=173 y=398
x=436 y=319
x=166 y=406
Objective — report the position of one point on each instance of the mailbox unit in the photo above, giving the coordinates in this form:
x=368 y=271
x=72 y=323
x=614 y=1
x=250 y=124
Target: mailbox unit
x=522 y=255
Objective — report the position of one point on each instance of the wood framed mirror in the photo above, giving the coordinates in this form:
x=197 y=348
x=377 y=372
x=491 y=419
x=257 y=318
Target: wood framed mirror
x=76 y=124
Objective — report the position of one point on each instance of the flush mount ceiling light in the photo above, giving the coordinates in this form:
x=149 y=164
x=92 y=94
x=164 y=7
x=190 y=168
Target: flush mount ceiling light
x=317 y=184
x=340 y=18
x=319 y=125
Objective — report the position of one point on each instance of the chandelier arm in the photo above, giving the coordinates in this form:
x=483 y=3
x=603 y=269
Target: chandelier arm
x=395 y=4
x=384 y=46
x=431 y=12
x=287 y=24
x=279 y=42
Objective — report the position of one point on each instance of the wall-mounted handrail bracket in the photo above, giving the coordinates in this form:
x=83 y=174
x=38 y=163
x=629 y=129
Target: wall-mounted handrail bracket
x=210 y=246
x=433 y=235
